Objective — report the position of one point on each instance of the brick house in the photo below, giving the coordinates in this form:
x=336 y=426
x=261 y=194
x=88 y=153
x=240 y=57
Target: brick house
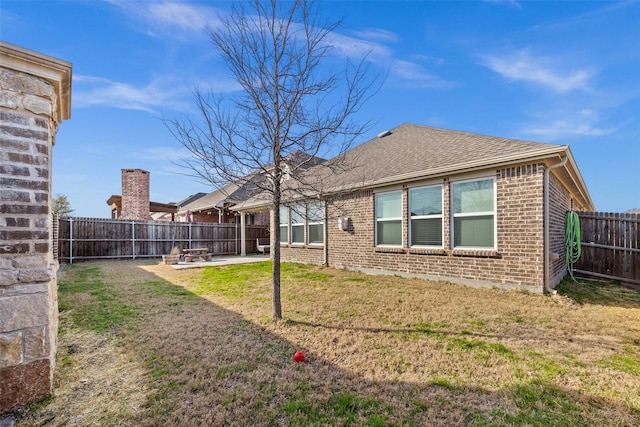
x=217 y=206
x=440 y=204
x=214 y=207
x=35 y=97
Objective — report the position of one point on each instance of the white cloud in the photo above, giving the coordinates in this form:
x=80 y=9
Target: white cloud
x=376 y=34
x=512 y=3
x=416 y=75
x=400 y=71
x=173 y=19
x=180 y=15
x=164 y=93
x=356 y=47
x=161 y=93
x=561 y=125
x=543 y=71
x=177 y=20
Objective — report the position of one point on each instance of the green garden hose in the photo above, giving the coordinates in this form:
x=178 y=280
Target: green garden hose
x=572 y=241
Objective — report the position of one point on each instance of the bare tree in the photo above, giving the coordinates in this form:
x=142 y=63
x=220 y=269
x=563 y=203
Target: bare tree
x=291 y=101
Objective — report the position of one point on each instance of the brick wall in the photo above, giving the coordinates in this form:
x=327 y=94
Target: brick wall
x=311 y=254
x=517 y=262
x=34 y=98
x=135 y=195
x=559 y=204
x=214 y=217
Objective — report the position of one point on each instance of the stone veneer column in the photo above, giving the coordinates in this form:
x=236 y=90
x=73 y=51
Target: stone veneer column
x=35 y=96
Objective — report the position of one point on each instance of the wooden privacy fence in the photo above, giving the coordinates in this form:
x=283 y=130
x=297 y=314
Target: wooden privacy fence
x=96 y=238
x=610 y=246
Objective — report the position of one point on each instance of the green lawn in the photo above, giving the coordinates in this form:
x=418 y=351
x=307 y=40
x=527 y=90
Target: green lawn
x=143 y=344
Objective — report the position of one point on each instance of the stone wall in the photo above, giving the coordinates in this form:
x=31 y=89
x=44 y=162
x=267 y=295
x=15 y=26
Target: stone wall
x=34 y=98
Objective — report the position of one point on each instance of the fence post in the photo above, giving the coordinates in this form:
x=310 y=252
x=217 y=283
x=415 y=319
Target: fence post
x=243 y=235
x=70 y=240
x=133 y=239
x=190 y=235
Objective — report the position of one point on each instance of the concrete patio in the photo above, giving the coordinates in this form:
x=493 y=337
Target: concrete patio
x=222 y=261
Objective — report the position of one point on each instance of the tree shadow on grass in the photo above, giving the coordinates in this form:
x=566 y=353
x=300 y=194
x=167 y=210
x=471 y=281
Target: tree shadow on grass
x=612 y=294
x=206 y=365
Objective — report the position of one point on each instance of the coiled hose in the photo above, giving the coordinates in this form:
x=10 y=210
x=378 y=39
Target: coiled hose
x=572 y=241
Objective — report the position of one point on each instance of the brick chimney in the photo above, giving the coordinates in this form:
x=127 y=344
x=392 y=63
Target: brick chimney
x=135 y=194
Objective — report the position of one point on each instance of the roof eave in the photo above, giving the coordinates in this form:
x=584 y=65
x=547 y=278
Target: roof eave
x=461 y=168
x=545 y=155
x=577 y=182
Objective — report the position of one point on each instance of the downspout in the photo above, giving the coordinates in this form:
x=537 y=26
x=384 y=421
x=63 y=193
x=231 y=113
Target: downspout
x=243 y=234
x=547 y=261
x=325 y=250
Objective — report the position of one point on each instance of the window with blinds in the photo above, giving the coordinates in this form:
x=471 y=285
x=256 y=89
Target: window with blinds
x=474 y=216
x=389 y=218
x=425 y=210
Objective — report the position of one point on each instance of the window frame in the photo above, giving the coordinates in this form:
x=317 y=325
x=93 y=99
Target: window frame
x=321 y=210
x=454 y=215
x=440 y=216
x=301 y=211
x=285 y=224
x=390 y=219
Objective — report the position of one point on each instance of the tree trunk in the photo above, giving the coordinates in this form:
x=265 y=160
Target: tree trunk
x=275 y=248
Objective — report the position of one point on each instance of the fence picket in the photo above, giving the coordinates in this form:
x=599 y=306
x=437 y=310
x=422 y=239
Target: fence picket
x=98 y=238
x=611 y=247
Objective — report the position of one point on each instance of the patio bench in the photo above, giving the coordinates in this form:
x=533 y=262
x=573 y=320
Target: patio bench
x=263 y=244
x=206 y=257
x=190 y=253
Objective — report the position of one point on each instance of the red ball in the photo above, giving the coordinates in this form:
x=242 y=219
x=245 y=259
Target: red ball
x=299 y=356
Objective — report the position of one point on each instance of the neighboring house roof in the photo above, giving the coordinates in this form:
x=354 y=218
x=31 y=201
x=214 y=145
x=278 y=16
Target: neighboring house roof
x=411 y=152
x=192 y=198
x=239 y=191
x=153 y=206
x=210 y=201
x=161 y=216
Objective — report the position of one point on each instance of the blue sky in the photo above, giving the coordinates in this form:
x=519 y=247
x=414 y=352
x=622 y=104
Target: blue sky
x=557 y=72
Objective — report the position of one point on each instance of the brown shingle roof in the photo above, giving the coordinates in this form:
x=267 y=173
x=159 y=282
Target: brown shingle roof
x=413 y=150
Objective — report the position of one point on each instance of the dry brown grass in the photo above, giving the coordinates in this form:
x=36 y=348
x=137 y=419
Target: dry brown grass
x=194 y=347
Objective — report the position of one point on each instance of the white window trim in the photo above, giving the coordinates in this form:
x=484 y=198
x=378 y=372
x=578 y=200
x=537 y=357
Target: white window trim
x=285 y=224
x=309 y=224
x=474 y=214
x=376 y=219
x=303 y=213
x=435 y=216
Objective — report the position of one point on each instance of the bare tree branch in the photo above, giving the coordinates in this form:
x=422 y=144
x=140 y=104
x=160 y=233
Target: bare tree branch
x=291 y=102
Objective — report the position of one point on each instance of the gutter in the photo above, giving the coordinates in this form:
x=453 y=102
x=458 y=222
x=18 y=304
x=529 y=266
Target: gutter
x=325 y=250
x=578 y=181
x=547 y=261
